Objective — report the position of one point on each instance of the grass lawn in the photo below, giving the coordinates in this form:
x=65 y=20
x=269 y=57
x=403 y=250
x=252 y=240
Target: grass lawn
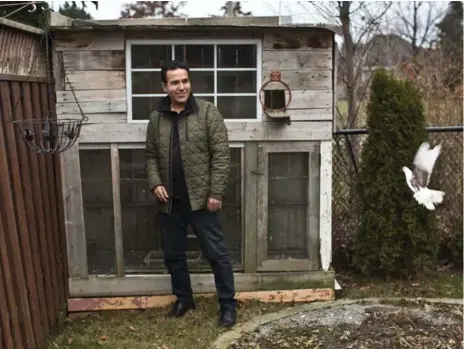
x=149 y=329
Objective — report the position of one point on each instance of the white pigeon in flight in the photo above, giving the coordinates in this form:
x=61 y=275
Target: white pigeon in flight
x=417 y=181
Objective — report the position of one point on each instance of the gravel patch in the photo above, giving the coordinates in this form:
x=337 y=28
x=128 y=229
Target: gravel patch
x=358 y=325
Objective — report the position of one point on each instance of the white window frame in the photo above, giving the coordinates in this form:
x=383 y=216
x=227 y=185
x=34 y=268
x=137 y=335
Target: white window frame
x=214 y=42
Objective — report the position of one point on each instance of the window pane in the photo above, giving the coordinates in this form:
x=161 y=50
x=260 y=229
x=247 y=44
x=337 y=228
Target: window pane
x=146 y=82
x=202 y=82
x=237 y=107
x=206 y=98
x=150 y=56
x=143 y=106
x=287 y=205
x=142 y=241
x=196 y=56
x=236 y=82
x=97 y=195
x=236 y=56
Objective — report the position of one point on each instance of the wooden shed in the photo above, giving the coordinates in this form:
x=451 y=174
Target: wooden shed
x=277 y=214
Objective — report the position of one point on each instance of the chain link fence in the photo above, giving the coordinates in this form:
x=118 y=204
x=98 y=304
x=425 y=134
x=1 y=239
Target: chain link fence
x=448 y=176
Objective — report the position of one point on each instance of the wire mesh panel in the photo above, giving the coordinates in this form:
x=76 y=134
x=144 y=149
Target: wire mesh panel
x=447 y=176
x=288 y=205
x=97 y=196
x=141 y=237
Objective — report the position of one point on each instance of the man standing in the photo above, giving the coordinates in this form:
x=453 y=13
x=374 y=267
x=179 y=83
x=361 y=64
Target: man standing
x=187 y=160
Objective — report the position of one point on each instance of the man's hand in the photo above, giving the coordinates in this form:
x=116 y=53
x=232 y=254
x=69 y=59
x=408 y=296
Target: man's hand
x=214 y=205
x=161 y=193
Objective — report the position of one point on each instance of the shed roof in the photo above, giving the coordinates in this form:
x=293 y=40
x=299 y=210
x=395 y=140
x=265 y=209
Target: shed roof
x=59 y=22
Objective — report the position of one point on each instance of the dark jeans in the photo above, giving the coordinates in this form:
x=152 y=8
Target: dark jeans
x=208 y=230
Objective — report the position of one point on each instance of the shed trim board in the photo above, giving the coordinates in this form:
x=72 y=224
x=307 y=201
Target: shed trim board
x=159 y=284
x=238 y=132
x=265 y=264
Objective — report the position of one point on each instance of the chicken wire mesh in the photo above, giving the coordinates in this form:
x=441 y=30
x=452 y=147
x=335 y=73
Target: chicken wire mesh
x=448 y=176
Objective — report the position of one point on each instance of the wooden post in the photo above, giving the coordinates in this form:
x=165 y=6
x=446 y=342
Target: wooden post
x=74 y=212
x=325 y=220
x=118 y=237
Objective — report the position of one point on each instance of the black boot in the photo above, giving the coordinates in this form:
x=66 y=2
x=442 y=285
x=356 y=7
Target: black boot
x=180 y=308
x=228 y=317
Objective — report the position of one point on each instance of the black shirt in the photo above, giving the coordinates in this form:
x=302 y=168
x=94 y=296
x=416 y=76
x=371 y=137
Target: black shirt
x=178 y=190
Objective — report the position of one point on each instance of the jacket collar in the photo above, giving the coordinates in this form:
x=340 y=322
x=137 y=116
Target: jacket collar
x=165 y=105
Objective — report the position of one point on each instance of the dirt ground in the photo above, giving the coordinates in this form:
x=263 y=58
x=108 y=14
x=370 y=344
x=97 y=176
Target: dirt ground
x=149 y=329
x=379 y=327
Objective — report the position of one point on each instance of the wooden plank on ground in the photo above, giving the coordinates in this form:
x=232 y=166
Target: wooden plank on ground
x=147 y=302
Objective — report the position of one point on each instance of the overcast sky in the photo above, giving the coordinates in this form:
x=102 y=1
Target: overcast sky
x=301 y=11
x=112 y=9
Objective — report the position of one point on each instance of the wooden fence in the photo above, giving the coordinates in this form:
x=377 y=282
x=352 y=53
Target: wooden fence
x=33 y=267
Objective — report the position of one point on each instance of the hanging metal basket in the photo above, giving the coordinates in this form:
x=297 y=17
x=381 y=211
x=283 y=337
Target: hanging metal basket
x=49 y=136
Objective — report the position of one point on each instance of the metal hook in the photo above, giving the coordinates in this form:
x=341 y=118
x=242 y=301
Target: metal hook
x=34 y=7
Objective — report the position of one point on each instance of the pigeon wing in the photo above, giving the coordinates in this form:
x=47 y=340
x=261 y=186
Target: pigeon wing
x=424 y=162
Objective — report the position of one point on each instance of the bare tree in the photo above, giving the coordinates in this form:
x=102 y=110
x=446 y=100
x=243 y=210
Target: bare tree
x=416 y=22
x=360 y=22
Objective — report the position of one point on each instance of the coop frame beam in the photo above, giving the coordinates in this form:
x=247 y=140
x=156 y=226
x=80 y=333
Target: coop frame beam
x=159 y=284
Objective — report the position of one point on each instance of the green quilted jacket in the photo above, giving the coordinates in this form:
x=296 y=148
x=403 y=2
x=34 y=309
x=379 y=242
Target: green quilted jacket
x=205 y=154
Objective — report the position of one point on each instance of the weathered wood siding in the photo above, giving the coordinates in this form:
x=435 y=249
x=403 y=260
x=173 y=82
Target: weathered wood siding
x=94 y=65
x=273 y=203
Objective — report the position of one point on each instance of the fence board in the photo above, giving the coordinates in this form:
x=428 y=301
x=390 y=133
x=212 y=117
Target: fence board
x=39 y=212
x=27 y=221
x=50 y=180
x=56 y=168
x=33 y=280
x=33 y=262
x=11 y=337
x=42 y=174
x=11 y=193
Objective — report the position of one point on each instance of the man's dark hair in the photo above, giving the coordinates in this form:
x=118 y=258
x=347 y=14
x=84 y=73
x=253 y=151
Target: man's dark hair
x=172 y=65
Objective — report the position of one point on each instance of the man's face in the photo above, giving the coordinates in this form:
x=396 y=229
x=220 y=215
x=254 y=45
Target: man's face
x=177 y=85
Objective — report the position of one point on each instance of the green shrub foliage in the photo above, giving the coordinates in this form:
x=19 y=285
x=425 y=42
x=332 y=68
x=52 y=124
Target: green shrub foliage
x=395 y=235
